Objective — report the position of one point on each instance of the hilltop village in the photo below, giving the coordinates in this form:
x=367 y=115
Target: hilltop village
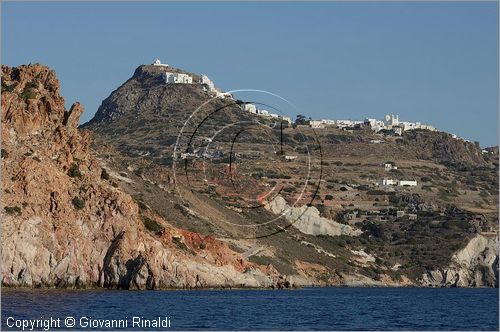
x=391 y=124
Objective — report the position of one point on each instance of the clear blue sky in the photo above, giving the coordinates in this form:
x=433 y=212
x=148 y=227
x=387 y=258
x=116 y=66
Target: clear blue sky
x=430 y=62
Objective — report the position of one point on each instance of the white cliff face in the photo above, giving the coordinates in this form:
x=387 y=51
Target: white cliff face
x=476 y=265
x=308 y=220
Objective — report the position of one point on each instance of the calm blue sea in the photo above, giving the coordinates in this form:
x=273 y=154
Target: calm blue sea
x=302 y=309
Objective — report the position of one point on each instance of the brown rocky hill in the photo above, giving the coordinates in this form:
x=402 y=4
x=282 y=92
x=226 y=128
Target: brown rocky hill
x=354 y=232
x=67 y=223
x=443 y=147
x=144 y=115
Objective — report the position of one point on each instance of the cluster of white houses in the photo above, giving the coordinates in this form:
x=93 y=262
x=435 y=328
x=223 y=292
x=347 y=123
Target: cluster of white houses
x=174 y=78
x=254 y=110
x=390 y=122
x=384 y=182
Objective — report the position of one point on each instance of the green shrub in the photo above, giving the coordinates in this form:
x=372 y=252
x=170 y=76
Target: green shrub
x=138 y=172
x=181 y=245
x=78 y=203
x=484 y=193
x=260 y=260
x=7 y=88
x=74 y=171
x=299 y=137
x=28 y=93
x=376 y=192
x=12 y=210
x=427 y=188
x=104 y=175
x=141 y=205
x=151 y=225
x=4 y=154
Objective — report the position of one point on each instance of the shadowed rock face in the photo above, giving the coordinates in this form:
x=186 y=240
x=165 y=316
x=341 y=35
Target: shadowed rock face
x=65 y=224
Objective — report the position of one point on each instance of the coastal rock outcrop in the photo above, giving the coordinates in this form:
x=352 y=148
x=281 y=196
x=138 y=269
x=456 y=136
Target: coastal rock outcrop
x=65 y=223
x=476 y=265
x=307 y=219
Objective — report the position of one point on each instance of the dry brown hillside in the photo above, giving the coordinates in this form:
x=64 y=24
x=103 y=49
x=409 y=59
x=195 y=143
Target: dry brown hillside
x=355 y=231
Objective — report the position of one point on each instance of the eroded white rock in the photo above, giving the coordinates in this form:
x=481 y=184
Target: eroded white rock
x=308 y=220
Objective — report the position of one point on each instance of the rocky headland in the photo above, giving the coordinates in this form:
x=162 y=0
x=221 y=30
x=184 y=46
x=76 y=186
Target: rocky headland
x=65 y=223
x=98 y=206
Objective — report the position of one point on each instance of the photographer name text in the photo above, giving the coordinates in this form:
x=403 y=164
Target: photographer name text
x=85 y=322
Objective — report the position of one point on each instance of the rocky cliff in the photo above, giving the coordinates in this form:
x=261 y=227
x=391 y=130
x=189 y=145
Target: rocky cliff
x=443 y=148
x=476 y=265
x=66 y=222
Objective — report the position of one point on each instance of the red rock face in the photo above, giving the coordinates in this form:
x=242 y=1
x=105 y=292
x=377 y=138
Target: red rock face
x=65 y=225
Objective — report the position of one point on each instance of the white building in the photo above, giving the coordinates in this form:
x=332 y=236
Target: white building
x=177 y=78
x=346 y=123
x=428 y=127
x=410 y=125
x=387 y=182
x=263 y=112
x=222 y=95
x=328 y=122
x=376 y=125
x=184 y=78
x=287 y=119
x=389 y=166
x=415 y=125
x=158 y=63
x=408 y=183
x=169 y=77
x=391 y=120
x=321 y=123
x=316 y=124
x=205 y=80
x=250 y=108
x=290 y=158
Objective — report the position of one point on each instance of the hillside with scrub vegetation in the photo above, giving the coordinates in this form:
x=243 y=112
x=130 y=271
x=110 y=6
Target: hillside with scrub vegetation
x=224 y=194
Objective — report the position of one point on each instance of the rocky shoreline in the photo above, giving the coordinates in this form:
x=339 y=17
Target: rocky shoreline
x=67 y=224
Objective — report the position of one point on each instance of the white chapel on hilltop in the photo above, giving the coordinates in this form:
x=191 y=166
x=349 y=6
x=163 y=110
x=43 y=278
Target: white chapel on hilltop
x=158 y=63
